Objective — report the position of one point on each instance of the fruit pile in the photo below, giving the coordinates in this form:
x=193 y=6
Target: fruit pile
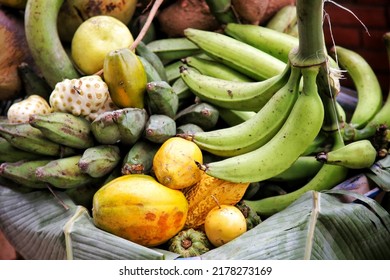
x=171 y=138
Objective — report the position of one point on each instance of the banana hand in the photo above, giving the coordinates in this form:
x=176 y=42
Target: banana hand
x=257 y=130
x=299 y=130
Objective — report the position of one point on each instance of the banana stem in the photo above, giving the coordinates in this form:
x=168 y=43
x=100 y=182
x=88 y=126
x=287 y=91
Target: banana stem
x=222 y=10
x=311 y=49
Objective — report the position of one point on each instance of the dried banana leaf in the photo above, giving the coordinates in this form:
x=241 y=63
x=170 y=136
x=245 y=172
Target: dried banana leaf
x=381 y=173
x=318 y=226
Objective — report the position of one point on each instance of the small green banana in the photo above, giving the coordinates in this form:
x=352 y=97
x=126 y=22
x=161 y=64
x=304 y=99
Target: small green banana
x=299 y=130
x=382 y=117
x=30 y=139
x=356 y=155
x=99 y=160
x=202 y=114
x=64 y=173
x=159 y=128
x=161 y=99
x=151 y=73
x=171 y=49
x=131 y=123
x=234 y=117
x=144 y=51
x=173 y=71
x=40 y=20
x=304 y=167
x=327 y=177
x=244 y=96
x=23 y=172
x=270 y=41
x=139 y=159
x=366 y=83
x=182 y=91
x=188 y=128
x=256 y=131
x=240 y=56
x=9 y=153
x=64 y=128
x=105 y=129
x=284 y=19
x=222 y=10
x=215 y=69
x=33 y=84
x=318 y=145
x=123 y=125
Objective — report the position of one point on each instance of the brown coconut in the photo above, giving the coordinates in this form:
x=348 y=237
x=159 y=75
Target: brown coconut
x=14 y=51
x=185 y=14
x=258 y=11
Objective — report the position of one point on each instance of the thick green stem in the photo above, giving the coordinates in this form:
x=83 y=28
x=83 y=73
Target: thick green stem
x=311 y=50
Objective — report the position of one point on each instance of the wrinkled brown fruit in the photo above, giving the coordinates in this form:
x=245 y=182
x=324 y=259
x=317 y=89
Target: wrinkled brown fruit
x=14 y=51
x=184 y=14
x=258 y=11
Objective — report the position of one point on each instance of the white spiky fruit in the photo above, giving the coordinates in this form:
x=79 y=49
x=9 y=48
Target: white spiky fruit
x=21 y=111
x=80 y=97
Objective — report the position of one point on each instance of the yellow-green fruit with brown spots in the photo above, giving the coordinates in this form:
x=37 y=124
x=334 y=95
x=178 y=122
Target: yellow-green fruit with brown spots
x=175 y=163
x=126 y=78
x=138 y=208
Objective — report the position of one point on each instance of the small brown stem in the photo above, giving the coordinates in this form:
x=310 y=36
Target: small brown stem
x=216 y=201
x=146 y=26
x=186 y=243
x=56 y=197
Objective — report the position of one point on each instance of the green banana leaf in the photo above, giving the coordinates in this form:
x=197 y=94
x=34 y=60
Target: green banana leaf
x=381 y=173
x=317 y=226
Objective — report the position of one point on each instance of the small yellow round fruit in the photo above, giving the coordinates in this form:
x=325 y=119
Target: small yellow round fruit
x=174 y=163
x=224 y=223
x=94 y=38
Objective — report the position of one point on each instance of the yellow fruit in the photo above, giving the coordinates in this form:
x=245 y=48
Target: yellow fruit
x=138 y=208
x=94 y=38
x=224 y=223
x=174 y=163
x=126 y=78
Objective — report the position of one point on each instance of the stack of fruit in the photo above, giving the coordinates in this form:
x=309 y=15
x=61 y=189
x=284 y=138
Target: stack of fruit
x=173 y=137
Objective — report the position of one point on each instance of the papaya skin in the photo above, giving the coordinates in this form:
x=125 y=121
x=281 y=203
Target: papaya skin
x=138 y=208
x=125 y=77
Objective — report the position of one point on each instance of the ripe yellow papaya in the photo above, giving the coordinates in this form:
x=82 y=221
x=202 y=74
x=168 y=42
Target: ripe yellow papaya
x=138 y=208
x=125 y=77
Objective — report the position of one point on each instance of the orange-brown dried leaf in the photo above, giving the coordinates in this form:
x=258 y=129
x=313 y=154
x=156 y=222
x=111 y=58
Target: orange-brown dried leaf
x=208 y=193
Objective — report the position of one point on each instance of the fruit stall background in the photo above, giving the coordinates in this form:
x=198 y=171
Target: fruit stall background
x=346 y=31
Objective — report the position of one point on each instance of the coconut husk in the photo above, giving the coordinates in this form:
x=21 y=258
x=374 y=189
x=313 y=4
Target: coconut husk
x=185 y=14
x=258 y=11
